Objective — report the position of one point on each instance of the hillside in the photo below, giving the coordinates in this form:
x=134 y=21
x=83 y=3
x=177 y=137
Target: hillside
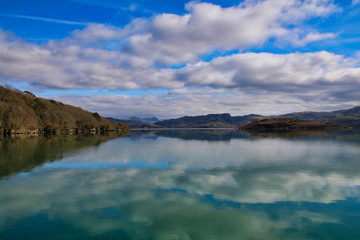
x=23 y=112
x=224 y=120
x=349 y=117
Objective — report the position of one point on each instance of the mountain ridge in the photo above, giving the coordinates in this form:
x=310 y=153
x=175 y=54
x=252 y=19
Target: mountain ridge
x=348 y=117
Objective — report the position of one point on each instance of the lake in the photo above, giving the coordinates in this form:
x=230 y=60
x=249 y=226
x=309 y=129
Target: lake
x=177 y=184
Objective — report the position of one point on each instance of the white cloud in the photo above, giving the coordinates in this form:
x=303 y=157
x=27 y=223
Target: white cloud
x=297 y=38
x=174 y=39
x=274 y=72
x=101 y=56
x=67 y=65
x=109 y=57
x=355 y=2
x=70 y=66
x=264 y=81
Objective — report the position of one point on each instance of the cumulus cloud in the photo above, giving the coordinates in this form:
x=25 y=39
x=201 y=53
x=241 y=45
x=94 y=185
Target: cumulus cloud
x=71 y=66
x=322 y=78
x=301 y=39
x=174 y=39
x=355 y=2
x=165 y=39
x=274 y=72
x=141 y=56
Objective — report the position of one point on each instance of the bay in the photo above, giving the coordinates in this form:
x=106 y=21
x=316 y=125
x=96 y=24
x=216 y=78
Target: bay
x=181 y=184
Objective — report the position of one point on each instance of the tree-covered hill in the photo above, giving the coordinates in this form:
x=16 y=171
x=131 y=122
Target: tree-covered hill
x=23 y=112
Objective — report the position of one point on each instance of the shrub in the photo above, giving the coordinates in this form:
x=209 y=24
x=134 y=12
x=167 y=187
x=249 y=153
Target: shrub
x=96 y=116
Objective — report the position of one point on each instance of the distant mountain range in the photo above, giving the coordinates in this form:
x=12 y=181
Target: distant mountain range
x=349 y=117
x=150 y=119
x=223 y=120
x=138 y=122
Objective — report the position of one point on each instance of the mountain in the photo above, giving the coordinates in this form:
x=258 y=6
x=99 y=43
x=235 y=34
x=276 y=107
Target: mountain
x=23 y=112
x=136 y=122
x=150 y=119
x=349 y=117
x=286 y=124
x=224 y=120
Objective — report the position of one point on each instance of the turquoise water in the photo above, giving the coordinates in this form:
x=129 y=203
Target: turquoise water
x=181 y=185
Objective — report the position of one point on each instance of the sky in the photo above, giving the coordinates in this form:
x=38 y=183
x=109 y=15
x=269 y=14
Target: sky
x=174 y=58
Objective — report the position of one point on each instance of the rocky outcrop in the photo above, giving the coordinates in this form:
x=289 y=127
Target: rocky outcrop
x=286 y=124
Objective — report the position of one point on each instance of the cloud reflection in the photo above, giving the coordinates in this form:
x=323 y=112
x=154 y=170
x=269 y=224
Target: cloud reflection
x=166 y=188
x=169 y=203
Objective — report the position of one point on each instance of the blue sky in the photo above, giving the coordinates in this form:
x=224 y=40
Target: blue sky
x=127 y=58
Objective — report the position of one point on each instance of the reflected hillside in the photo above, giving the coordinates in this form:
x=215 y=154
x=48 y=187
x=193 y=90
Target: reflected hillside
x=350 y=135
x=194 y=134
x=288 y=134
x=209 y=135
x=19 y=154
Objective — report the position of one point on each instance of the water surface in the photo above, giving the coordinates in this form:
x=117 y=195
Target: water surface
x=181 y=185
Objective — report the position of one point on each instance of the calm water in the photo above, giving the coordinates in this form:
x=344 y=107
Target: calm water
x=181 y=185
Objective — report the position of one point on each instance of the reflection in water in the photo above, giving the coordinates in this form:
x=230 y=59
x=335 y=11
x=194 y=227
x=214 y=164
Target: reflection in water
x=228 y=134
x=155 y=187
x=198 y=134
x=19 y=154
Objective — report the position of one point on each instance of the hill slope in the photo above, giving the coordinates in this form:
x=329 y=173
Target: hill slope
x=224 y=120
x=349 y=117
x=25 y=113
x=286 y=124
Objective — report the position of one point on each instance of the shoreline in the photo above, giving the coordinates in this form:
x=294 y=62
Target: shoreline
x=14 y=133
